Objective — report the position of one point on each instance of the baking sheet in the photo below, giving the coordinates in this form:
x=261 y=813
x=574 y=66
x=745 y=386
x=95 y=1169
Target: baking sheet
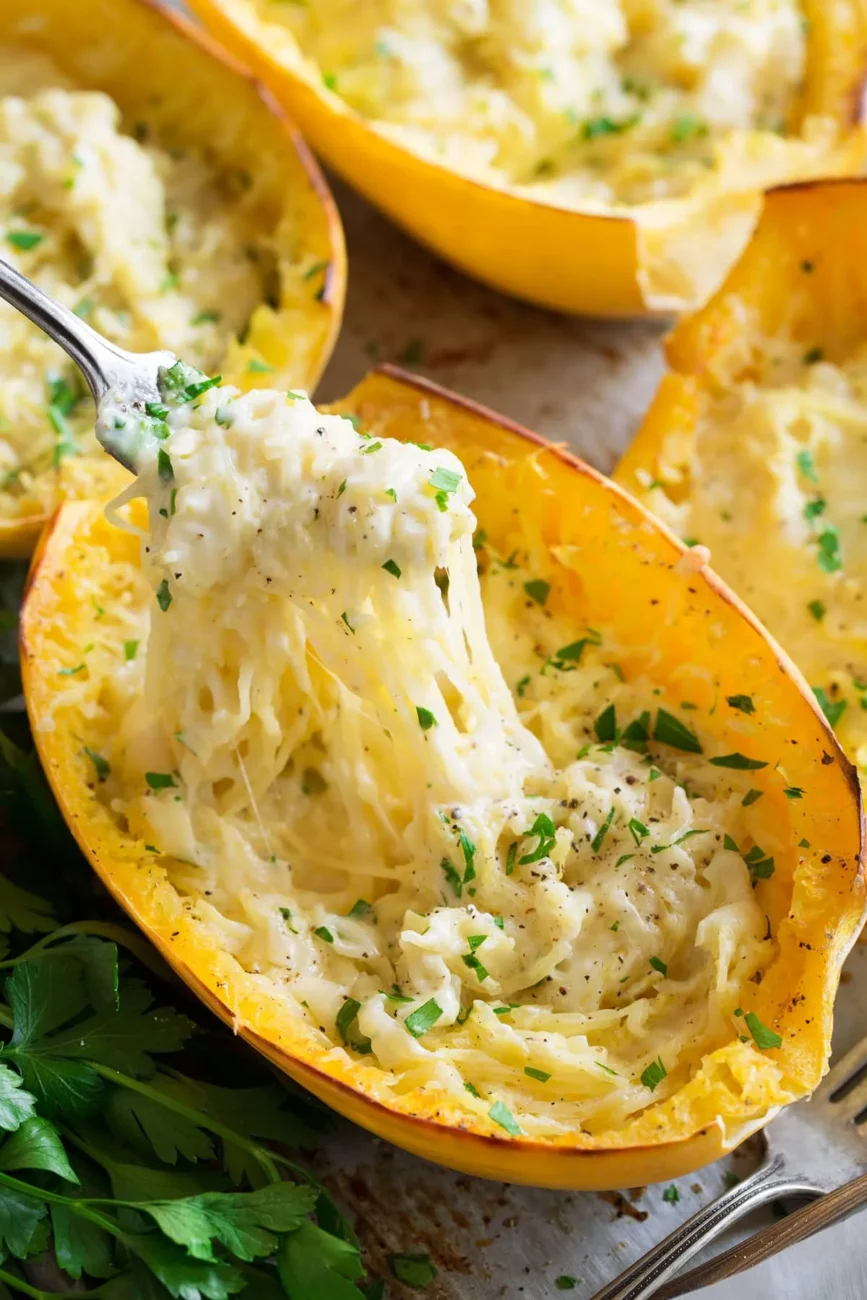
x=585 y=383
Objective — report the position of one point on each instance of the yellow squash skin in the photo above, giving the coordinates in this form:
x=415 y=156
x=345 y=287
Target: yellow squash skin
x=163 y=71
x=592 y=263
x=621 y=570
x=768 y=298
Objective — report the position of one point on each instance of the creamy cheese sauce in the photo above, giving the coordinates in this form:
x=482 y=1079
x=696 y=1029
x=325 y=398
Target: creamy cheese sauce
x=152 y=247
x=413 y=802
x=772 y=482
x=613 y=101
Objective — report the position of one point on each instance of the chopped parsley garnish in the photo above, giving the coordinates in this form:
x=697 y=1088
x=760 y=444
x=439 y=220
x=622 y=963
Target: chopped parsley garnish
x=814 y=508
x=804 y=460
x=832 y=709
x=751 y=796
x=224 y=417
x=360 y=907
x=637 y=830
x=742 y=702
x=637 y=734
x=257 y=367
x=164 y=596
x=501 y=1115
x=761 y=867
x=521 y=686
x=653 y=1076
x=510 y=858
x=739 y=762
x=24 y=240
x=504 y=1011
x=130 y=650
x=687 y=127
x=342 y=488
x=445 y=480
x=671 y=1195
x=468 y=849
x=472 y=1090
x=765 y=1039
x=452 y=876
x=99 y=763
x=371 y=448
x=475 y=941
x=599 y=837
x=395 y=995
x=814 y=355
x=322 y=932
x=312 y=781
x=729 y=844
x=615 y=927
x=565 y=1282
x=803 y=844
x=70 y=672
x=286 y=914
x=474 y=963
x=817 y=609
x=415 y=1271
x=546 y=831
x=624 y=857
x=205 y=318
x=571 y=653
x=793 y=792
x=828 y=557
x=605 y=725
x=392 y=568
x=426 y=719
x=418 y=1022
x=346 y=1018
x=537 y=589
x=594 y=127
x=164 y=466
x=390 y=492
x=160 y=780
x=658 y=964
x=345 y=617
x=532 y=1073
x=669 y=730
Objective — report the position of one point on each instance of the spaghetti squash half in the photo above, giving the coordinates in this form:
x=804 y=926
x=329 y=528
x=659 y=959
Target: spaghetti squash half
x=166 y=202
x=492 y=818
x=602 y=156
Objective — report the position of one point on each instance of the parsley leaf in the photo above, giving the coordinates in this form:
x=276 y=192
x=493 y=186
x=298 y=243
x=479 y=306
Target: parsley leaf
x=538 y=589
x=501 y=1115
x=669 y=730
x=415 y=1271
x=418 y=1022
x=765 y=1039
x=654 y=1074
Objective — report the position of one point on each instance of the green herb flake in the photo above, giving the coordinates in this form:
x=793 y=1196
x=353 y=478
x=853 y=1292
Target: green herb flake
x=658 y=964
x=738 y=762
x=742 y=702
x=637 y=830
x=445 y=480
x=654 y=1074
x=669 y=730
x=24 y=240
x=812 y=356
x=501 y=1115
x=426 y=719
x=751 y=796
x=828 y=556
x=472 y=1090
x=832 y=709
x=538 y=590
x=160 y=780
x=164 y=596
x=565 y=1282
x=671 y=1195
x=804 y=461
x=392 y=568
x=418 y=1022
x=532 y=1073
x=765 y=1039
x=817 y=609
x=415 y=1271
x=545 y=829
x=99 y=763
x=474 y=963
x=257 y=367
x=322 y=932
x=510 y=858
x=605 y=725
x=793 y=792
x=598 y=839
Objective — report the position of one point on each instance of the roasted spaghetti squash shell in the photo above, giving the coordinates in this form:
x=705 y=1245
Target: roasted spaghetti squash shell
x=593 y=262
x=164 y=72
x=621 y=570
x=766 y=298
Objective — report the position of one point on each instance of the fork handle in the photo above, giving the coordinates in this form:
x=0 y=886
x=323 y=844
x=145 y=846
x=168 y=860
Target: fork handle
x=648 y=1274
x=827 y=1210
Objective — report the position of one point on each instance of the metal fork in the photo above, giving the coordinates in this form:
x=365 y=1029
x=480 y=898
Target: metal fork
x=809 y=1148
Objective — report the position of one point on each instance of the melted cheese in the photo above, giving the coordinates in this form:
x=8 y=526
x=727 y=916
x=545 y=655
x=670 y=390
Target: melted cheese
x=394 y=790
x=576 y=101
x=772 y=482
x=146 y=245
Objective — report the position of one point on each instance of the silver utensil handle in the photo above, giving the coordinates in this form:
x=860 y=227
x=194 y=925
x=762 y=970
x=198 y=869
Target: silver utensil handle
x=93 y=355
x=822 y=1213
x=648 y=1274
